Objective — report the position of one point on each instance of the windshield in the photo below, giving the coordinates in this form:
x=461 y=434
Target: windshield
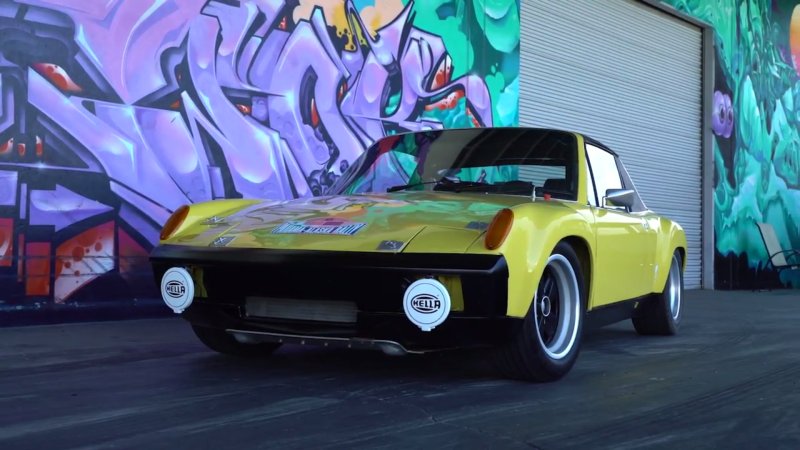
x=492 y=160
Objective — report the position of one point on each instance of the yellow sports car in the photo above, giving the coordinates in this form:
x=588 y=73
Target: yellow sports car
x=507 y=238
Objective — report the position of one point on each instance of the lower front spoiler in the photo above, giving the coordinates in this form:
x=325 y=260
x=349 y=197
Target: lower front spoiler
x=391 y=333
x=386 y=346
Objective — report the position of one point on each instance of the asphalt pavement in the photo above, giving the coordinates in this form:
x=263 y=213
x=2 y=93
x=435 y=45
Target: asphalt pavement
x=731 y=379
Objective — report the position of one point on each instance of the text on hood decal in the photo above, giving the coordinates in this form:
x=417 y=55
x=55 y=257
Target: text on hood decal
x=328 y=225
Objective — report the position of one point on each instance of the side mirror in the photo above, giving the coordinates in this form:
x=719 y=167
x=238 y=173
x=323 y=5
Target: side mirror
x=619 y=197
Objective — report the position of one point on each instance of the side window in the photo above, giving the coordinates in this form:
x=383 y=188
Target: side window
x=604 y=170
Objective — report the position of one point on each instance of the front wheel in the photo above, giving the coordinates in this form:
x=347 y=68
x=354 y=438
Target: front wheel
x=661 y=314
x=546 y=346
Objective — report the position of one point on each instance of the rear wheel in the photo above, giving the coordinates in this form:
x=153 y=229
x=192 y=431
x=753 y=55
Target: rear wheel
x=222 y=342
x=661 y=314
x=546 y=346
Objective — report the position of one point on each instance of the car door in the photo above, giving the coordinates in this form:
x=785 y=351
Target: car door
x=651 y=224
x=621 y=237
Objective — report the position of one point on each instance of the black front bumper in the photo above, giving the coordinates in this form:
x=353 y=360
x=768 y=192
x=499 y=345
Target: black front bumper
x=375 y=282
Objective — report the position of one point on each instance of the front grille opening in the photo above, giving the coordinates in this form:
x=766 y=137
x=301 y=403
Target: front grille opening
x=301 y=309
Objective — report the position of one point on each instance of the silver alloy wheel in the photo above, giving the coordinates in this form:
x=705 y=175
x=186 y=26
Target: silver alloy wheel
x=674 y=289
x=556 y=307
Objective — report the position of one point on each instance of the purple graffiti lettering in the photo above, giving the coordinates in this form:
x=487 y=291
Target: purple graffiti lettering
x=113 y=114
x=61 y=207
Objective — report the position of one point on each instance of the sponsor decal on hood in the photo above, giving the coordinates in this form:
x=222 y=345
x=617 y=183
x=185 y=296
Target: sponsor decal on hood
x=323 y=225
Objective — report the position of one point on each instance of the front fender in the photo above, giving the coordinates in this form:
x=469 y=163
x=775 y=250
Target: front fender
x=203 y=210
x=536 y=231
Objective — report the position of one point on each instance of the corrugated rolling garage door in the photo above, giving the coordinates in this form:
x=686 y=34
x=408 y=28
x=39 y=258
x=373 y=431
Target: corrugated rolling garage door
x=630 y=76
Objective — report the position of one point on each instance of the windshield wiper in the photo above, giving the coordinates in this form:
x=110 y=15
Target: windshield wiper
x=456 y=186
x=406 y=186
x=460 y=186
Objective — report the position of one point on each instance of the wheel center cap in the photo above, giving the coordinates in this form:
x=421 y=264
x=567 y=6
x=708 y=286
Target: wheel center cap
x=545 y=306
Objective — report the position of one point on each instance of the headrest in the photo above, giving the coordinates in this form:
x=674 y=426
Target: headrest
x=556 y=184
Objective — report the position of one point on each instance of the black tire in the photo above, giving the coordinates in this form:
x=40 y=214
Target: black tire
x=543 y=351
x=222 y=342
x=661 y=314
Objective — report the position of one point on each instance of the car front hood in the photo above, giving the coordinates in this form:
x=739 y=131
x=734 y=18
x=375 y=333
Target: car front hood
x=367 y=223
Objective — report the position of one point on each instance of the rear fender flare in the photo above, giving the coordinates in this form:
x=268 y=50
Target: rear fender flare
x=671 y=238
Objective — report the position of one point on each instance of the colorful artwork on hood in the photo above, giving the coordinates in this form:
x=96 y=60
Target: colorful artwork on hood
x=756 y=125
x=115 y=113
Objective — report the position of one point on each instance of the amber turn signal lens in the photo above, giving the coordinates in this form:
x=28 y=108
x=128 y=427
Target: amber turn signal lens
x=499 y=228
x=174 y=222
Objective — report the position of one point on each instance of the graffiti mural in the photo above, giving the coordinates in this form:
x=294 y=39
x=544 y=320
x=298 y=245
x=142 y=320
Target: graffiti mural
x=115 y=113
x=756 y=126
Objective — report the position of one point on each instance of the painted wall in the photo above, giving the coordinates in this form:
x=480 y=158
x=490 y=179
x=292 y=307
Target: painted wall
x=756 y=127
x=115 y=113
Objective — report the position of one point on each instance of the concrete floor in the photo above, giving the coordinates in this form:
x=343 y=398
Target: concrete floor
x=731 y=379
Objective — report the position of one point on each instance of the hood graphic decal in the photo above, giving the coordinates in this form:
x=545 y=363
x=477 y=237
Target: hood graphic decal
x=324 y=225
x=360 y=223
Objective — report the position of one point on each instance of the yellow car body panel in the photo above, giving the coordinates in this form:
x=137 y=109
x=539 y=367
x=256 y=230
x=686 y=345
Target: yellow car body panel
x=191 y=230
x=670 y=236
x=440 y=219
x=538 y=227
